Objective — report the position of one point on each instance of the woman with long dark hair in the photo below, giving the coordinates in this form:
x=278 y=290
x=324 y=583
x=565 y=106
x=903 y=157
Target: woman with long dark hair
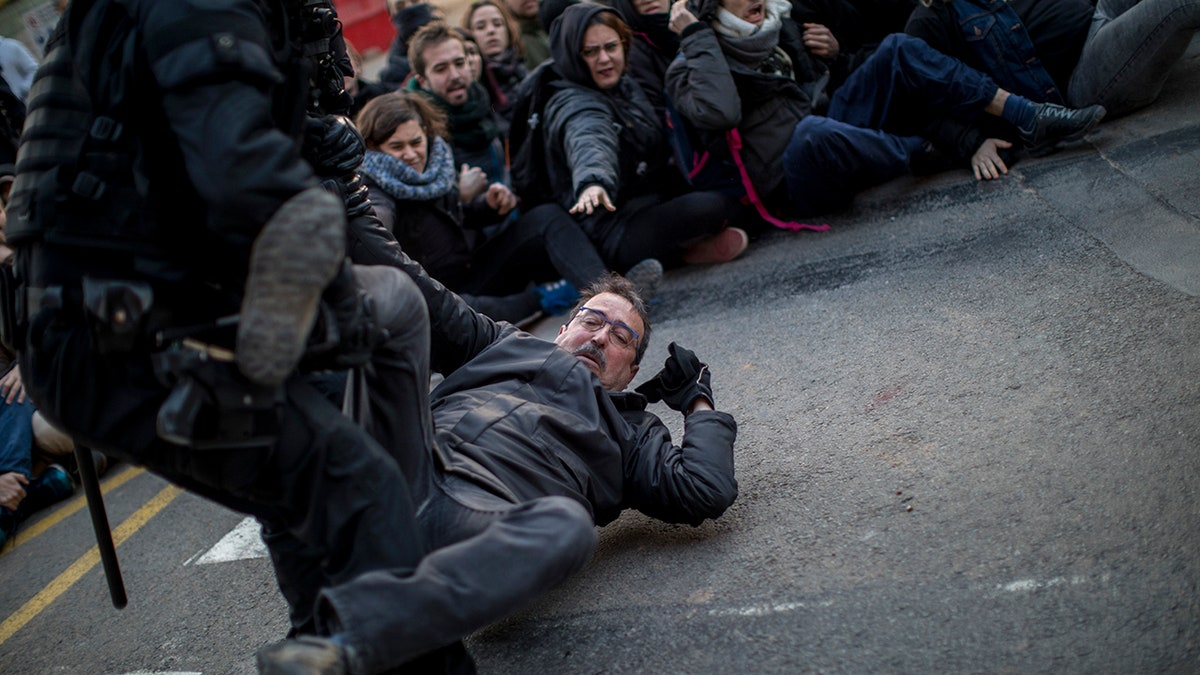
x=494 y=29
x=607 y=153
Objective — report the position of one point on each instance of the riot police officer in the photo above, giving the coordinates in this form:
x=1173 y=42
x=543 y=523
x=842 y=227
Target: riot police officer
x=175 y=249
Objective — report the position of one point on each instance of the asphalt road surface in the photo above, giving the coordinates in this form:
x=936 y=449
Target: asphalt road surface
x=969 y=441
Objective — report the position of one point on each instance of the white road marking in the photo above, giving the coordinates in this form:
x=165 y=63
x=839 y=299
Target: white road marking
x=242 y=543
x=1027 y=585
x=765 y=610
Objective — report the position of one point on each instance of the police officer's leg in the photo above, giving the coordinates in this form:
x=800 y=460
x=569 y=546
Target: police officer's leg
x=323 y=480
x=390 y=396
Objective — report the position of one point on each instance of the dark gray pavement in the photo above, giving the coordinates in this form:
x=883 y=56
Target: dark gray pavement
x=969 y=441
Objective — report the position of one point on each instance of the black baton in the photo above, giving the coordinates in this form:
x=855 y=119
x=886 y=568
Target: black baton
x=104 y=540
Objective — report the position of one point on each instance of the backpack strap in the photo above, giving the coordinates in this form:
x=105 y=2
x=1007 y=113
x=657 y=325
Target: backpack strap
x=734 y=139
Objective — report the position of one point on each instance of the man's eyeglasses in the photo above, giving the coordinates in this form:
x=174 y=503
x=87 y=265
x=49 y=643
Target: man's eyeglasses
x=593 y=51
x=593 y=320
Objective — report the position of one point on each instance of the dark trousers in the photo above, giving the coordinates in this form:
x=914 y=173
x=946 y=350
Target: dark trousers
x=545 y=244
x=873 y=122
x=656 y=226
x=324 y=481
x=488 y=556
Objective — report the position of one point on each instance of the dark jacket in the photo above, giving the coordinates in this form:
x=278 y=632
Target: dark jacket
x=1051 y=38
x=435 y=232
x=654 y=47
x=188 y=186
x=523 y=418
x=610 y=138
x=858 y=25
x=978 y=33
x=715 y=94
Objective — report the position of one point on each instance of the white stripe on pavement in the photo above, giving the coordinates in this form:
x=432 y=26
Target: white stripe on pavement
x=242 y=543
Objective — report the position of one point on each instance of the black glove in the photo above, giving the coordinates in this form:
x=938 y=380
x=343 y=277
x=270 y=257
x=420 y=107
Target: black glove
x=332 y=145
x=682 y=380
x=353 y=193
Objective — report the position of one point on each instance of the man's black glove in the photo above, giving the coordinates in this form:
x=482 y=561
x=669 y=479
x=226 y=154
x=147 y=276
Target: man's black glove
x=682 y=380
x=332 y=145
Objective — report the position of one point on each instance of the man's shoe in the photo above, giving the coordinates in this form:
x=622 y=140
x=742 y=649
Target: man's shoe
x=721 y=247
x=645 y=277
x=305 y=655
x=1054 y=124
x=294 y=258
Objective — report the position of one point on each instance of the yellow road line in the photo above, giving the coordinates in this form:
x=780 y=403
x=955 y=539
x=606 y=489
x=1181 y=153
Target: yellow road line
x=69 y=508
x=82 y=566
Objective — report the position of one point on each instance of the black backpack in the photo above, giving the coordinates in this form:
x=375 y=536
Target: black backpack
x=526 y=142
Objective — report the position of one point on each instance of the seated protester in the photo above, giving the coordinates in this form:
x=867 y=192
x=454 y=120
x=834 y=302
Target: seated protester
x=654 y=46
x=843 y=33
x=358 y=86
x=474 y=56
x=736 y=72
x=407 y=20
x=606 y=155
x=442 y=73
x=499 y=40
x=410 y=175
x=535 y=43
x=31 y=476
x=1116 y=55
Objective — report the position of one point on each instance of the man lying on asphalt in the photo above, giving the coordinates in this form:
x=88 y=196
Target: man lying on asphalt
x=512 y=460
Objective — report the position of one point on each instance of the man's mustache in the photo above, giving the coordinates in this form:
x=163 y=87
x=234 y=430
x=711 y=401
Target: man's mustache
x=590 y=349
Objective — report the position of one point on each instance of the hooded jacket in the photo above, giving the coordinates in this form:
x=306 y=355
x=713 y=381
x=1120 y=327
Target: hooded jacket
x=610 y=138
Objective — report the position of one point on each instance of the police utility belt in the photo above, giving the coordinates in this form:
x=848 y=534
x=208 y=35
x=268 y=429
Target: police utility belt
x=210 y=406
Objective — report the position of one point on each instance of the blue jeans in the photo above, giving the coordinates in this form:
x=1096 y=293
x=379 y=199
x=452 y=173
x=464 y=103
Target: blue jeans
x=1129 y=50
x=16 y=437
x=872 y=127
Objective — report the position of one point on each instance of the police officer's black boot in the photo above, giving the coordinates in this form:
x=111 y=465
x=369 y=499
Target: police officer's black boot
x=294 y=257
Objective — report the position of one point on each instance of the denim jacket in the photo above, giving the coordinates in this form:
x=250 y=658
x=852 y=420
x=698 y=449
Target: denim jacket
x=994 y=32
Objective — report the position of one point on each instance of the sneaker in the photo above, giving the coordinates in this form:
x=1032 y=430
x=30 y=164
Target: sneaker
x=1054 y=124
x=645 y=277
x=305 y=655
x=294 y=258
x=52 y=486
x=721 y=247
x=558 y=297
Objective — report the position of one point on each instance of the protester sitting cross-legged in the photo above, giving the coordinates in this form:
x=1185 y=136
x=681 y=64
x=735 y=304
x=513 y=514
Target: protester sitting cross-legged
x=736 y=73
x=413 y=189
x=606 y=155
